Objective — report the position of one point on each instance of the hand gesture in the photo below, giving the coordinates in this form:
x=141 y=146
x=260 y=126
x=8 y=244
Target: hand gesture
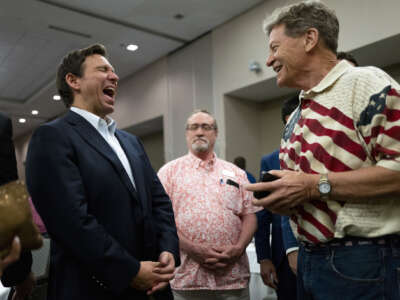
x=290 y=190
x=166 y=266
x=149 y=276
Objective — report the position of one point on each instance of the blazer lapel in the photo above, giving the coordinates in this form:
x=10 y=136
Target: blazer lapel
x=94 y=139
x=136 y=167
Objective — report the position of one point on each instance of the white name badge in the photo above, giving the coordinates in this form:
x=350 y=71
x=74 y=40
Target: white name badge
x=228 y=173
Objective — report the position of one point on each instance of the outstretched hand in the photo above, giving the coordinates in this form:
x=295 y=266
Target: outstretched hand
x=290 y=190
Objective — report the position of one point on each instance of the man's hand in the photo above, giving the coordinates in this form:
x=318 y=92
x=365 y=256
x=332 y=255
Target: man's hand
x=290 y=190
x=149 y=276
x=166 y=266
x=292 y=258
x=232 y=253
x=268 y=273
x=208 y=257
x=13 y=256
x=25 y=288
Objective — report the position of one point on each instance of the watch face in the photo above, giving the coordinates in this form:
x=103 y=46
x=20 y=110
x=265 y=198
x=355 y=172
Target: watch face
x=324 y=188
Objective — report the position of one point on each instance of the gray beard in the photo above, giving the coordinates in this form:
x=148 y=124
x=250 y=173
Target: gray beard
x=200 y=147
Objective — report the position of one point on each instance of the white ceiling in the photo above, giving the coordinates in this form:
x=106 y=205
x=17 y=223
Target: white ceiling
x=32 y=44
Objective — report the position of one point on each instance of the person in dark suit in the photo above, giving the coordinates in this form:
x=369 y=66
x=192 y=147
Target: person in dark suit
x=15 y=269
x=274 y=264
x=111 y=224
x=8 y=162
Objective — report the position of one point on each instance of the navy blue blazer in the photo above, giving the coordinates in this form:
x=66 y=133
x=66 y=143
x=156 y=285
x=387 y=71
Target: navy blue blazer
x=101 y=227
x=275 y=251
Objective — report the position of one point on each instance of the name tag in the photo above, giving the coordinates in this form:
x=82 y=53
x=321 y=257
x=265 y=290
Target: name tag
x=228 y=173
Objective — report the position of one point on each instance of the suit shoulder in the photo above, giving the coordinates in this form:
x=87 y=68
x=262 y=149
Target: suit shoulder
x=129 y=135
x=4 y=118
x=271 y=156
x=55 y=129
x=5 y=125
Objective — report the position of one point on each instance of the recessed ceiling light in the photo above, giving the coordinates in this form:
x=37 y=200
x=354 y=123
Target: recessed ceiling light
x=22 y=120
x=35 y=112
x=132 y=47
x=56 y=97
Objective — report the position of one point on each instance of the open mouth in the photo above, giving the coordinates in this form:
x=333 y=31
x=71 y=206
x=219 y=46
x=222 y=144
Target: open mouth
x=108 y=91
x=277 y=69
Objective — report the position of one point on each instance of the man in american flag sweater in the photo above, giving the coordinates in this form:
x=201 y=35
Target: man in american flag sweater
x=340 y=161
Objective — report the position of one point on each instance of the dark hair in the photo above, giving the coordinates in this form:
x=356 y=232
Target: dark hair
x=300 y=17
x=289 y=105
x=205 y=112
x=347 y=56
x=73 y=63
x=240 y=162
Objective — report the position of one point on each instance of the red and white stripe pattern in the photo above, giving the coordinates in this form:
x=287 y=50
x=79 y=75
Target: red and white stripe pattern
x=320 y=137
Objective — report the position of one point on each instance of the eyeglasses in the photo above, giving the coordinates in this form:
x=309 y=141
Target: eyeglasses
x=204 y=126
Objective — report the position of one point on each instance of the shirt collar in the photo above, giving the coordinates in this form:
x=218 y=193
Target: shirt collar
x=97 y=122
x=334 y=74
x=199 y=163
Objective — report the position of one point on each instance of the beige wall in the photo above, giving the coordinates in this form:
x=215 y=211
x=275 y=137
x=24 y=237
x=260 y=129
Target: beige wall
x=154 y=146
x=21 y=148
x=243 y=132
x=189 y=87
x=142 y=96
x=271 y=126
x=252 y=130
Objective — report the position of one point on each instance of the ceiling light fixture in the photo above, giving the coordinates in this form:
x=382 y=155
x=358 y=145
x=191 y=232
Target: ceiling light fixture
x=132 y=47
x=56 y=97
x=35 y=112
x=22 y=120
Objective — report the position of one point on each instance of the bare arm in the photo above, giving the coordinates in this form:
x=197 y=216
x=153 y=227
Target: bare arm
x=234 y=252
x=249 y=227
x=294 y=188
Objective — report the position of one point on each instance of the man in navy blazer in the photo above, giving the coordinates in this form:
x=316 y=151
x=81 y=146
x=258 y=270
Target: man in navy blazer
x=111 y=224
x=274 y=264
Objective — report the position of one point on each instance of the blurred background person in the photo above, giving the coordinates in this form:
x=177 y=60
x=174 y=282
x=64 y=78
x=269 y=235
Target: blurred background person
x=16 y=267
x=240 y=162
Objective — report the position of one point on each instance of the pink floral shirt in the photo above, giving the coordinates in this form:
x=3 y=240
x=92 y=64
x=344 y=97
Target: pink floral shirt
x=208 y=199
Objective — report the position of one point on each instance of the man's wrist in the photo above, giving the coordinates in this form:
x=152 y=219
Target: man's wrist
x=291 y=249
x=264 y=260
x=313 y=187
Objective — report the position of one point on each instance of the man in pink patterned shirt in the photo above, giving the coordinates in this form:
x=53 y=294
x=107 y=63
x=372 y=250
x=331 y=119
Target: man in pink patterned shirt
x=214 y=217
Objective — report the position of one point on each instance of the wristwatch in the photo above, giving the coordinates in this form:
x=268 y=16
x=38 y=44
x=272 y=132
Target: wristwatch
x=324 y=187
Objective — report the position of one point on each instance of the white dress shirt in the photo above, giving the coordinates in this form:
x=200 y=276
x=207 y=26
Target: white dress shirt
x=106 y=128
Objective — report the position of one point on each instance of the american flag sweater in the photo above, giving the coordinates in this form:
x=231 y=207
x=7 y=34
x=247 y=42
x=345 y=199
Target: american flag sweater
x=350 y=120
